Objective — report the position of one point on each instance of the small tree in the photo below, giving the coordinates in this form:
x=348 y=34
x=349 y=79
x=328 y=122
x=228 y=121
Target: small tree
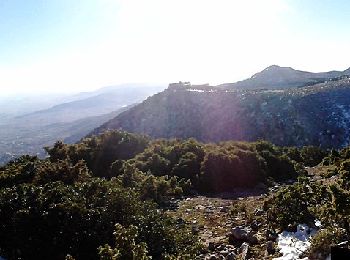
x=126 y=246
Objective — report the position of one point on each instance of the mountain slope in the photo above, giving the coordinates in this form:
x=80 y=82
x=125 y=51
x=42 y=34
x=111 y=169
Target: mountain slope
x=317 y=115
x=276 y=77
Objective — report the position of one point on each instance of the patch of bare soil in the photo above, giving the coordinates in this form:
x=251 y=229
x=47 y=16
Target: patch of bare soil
x=230 y=225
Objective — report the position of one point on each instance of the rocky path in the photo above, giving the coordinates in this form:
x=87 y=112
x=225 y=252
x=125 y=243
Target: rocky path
x=229 y=228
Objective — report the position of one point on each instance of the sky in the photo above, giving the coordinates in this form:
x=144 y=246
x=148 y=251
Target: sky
x=82 y=45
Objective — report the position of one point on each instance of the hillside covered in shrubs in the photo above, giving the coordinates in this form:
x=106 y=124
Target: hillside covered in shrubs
x=100 y=198
x=316 y=115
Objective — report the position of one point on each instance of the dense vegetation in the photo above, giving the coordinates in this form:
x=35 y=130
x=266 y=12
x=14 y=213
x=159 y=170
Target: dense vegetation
x=57 y=207
x=102 y=197
x=202 y=167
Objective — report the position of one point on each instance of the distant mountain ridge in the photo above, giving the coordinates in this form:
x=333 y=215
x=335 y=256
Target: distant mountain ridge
x=276 y=77
x=96 y=103
x=70 y=120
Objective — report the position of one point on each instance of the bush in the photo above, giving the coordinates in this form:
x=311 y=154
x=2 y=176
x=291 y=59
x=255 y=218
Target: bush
x=312 y=155
x=52 y=220
x=126 y=246
x=324 y=239
x=222 y=171
x=290 y=206
x=19 y=171
x=99 y=152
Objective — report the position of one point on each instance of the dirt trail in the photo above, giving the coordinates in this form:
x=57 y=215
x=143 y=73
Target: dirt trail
x=213 y=218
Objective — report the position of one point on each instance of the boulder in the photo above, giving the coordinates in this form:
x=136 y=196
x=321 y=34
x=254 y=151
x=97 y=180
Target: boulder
x=270 y=248
x=211 y=246
x=180 y=221
x=271 y=235
x=212 y=257
x=252 y=239
x=292 y=228
x=258 y=212
x=244 y=251
x=221 y=247
x=195 y=229
x=224 y=209
x=231 y=256
x=224 y=252
x=238 y=234
x=255 y=225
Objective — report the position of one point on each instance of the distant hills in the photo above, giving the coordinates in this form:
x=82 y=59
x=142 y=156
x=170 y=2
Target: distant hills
x=276 y=77
x=314 y=115
x=279 y=104
x=87 y=104
x=70 y=120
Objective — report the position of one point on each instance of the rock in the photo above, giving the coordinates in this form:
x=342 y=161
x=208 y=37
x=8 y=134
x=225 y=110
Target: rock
x=211 y=246
x=195 y=229
x=200 y=207
x=244 y=251
x=231 y=256
x=231 y=248
x=258 y=212
x=270 y=248
x=252 y=239
x=224 y=252
x=255 y=225
x=231 y=239
x=221 y=247
x=292 y=228
x=238 y=233
x=271 y=235
x=208 y=211
x=213 y=257
x=224 y=209
x=180 y=221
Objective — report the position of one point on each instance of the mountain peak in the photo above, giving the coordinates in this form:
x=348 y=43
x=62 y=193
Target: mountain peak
x=277 y=68
x=276 y=72
x=277 y=77
x=271 y=67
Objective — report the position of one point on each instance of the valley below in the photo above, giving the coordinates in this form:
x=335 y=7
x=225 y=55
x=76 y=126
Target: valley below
x=31 y=123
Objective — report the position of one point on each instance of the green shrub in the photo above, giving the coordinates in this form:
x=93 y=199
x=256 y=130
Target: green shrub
x=324 y=239
x=52 y=220
x=126 y=246
x=290 y=205
x=312 y=155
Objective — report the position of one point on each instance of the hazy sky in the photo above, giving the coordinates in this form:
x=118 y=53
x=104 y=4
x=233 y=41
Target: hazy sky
x=75 y=45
